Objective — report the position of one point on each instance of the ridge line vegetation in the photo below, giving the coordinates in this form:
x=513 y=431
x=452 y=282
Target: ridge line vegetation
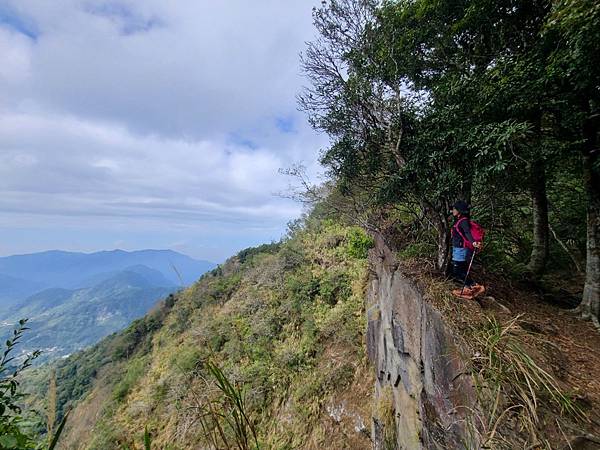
x=493 y=102
x=251 y=356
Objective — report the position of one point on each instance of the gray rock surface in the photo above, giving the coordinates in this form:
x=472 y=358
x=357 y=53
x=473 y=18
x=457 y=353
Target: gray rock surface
x=421 y=385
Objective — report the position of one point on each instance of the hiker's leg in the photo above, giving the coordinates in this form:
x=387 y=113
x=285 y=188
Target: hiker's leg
x=460 y=264
x=469 y=282
x=459 y=273
x=458 y=260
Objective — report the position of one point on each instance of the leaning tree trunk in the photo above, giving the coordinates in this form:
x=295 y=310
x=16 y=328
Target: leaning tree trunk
x=590 y=302
x=539 y=252
x=438 y=217
x=443 y=241
x=443 y=237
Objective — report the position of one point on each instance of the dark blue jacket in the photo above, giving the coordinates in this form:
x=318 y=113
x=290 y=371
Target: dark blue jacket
x=465 y=229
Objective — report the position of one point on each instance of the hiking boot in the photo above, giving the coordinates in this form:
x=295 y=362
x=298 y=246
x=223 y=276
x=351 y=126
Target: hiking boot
x=477 y=290
x=465 y=293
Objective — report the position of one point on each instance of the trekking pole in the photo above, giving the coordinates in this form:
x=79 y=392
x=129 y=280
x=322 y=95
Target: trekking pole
x=468 y=270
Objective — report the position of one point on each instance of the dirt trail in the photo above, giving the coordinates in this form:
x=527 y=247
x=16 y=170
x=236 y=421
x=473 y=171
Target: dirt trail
x=573 y=345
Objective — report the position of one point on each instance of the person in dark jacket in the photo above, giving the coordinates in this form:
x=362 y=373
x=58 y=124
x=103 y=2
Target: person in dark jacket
x=461 y=255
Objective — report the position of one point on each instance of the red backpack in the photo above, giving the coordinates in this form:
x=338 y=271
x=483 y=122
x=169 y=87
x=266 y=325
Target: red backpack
x=477 y=231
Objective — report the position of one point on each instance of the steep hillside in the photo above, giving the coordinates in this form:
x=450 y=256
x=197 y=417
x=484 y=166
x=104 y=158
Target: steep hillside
x=330 y=349
x=285 y=321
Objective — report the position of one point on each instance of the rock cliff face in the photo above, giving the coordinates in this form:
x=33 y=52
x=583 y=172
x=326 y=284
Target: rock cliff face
x=422 y=391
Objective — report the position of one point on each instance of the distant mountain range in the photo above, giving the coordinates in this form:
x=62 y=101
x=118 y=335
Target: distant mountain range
x=72 y=270
x=75 y=299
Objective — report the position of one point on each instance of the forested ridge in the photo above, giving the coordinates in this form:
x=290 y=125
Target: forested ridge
x=492 y=102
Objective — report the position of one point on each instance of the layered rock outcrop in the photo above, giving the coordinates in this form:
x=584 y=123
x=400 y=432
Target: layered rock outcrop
x=424 y=397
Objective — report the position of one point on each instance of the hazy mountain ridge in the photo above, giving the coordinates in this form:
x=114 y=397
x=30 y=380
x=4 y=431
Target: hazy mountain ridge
x=150 y=275
x=75 y=299
x=12 y=289
x=70 y=270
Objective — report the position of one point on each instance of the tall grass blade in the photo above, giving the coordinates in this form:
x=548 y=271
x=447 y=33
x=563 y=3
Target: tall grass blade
x=147 y=439
x=59 y=431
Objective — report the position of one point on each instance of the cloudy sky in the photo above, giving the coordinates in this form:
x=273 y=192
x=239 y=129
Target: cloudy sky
x=150 y=123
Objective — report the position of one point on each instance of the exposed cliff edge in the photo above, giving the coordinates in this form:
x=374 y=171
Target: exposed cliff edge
x=456 y=374
x=420 y=370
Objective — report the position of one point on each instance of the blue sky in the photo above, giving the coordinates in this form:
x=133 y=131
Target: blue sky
x=150 y=124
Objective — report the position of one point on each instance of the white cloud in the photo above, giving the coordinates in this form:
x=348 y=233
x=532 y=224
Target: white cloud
x=151 y=113
x=198 y=68
x=69 y=158
x=15 y=70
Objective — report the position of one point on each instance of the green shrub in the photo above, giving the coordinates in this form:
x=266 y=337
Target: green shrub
x=135 y=369
x=13 y=433
x=334 y=287
x=359 y=243
x=417 y=250
x=290 y=356
x=303 y=289
x=292 y=256
x=223 y=288
x=249 y=253
x=186 y=359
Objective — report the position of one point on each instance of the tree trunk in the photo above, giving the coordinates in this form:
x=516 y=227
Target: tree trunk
x=589 y=307
x=466 y=189
x=539 y=252
x=443 y=240
x=438 y=219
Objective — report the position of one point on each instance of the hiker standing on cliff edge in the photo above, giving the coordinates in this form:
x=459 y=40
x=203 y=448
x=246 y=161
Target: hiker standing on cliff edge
x=463 y=246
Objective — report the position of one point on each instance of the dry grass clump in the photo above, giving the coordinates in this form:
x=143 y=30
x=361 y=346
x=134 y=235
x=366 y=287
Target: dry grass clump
x=518 y=394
